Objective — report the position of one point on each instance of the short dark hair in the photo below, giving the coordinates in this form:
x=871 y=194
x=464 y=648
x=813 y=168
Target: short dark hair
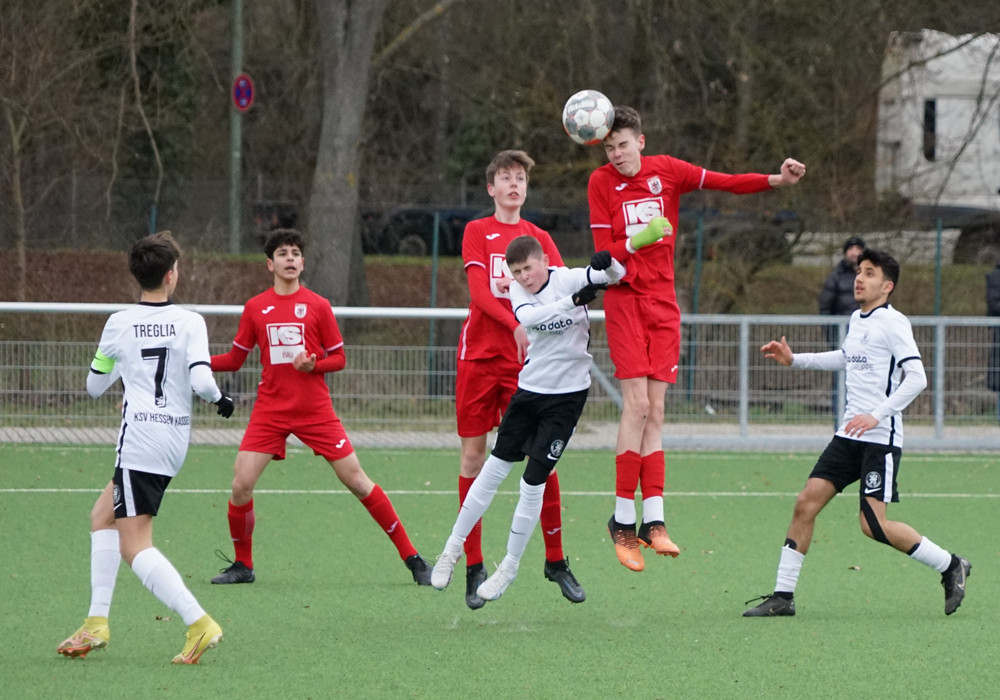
x=283 y=236
x=152 y=257
x=505 y=160
x=522 y=248
x=854 y=241
x=626 y=118
x=883 y=261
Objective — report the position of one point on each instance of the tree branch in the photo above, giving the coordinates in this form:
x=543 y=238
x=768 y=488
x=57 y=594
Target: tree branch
x=138 y=99
x=409 y=30
x=114 y=153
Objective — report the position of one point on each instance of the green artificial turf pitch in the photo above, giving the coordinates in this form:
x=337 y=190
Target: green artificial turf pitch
x=334 y=612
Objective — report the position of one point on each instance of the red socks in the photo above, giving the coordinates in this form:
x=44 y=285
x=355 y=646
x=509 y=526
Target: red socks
x=241 y=522
x=653 y=474
x=627 y=468
x=474 y=542
x=380 y=508
x=551 y=519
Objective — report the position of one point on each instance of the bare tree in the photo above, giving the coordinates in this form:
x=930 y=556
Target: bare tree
x=47 y=111
x=347 y=31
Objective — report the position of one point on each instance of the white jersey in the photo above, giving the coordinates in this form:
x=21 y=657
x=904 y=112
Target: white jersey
x=155 y=348
x=884 y=371
x=558 y=332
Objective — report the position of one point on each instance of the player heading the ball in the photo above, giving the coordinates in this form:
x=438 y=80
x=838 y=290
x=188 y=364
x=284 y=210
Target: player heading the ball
x=626 y=196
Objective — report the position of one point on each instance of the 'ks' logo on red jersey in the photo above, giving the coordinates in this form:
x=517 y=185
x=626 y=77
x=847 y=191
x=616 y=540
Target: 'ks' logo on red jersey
x=498 y=270
x=285 y=333
x=639 y=212
x=286 y=340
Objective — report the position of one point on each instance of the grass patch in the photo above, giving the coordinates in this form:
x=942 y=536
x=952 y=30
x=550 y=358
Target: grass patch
x=334 y=613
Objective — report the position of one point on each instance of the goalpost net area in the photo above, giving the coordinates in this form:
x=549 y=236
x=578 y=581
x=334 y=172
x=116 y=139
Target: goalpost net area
x=398 y=387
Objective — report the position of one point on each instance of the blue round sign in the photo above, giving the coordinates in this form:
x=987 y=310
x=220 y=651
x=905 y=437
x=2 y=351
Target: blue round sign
x=243 y=92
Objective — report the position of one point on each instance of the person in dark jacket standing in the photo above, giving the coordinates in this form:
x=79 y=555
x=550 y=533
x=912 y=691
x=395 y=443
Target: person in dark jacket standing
x=993 y=309
x=837 y=296
x=837 y=299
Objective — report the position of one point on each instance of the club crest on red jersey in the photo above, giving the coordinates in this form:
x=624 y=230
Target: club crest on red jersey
x=654 y=184
x=300 y=311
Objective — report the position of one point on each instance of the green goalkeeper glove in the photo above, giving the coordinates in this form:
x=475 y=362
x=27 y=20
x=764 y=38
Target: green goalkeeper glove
x=657 y=229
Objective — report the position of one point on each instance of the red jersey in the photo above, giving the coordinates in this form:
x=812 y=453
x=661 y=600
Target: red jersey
x=489 y=329
x=621 y=207
x=282 y=327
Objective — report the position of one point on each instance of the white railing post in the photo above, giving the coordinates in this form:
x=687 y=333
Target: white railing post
x=744 y=410
x=939 y=384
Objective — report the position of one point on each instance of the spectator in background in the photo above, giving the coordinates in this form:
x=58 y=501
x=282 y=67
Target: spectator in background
x=837 y=299
x=993 y=309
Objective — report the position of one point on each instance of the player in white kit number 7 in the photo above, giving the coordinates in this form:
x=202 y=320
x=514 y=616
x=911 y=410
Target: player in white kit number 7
x=160 y=351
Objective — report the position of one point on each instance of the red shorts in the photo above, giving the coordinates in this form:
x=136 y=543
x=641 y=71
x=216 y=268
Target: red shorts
x=644 y=336
x=323 y=432
x=482 y=391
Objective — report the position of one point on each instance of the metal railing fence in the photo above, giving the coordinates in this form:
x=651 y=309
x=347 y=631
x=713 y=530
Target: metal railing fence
x=726 y=392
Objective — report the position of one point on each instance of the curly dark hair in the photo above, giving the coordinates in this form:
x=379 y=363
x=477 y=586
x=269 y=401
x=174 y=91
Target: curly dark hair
x=283 y=236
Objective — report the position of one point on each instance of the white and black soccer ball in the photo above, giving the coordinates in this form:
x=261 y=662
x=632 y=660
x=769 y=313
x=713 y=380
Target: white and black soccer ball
x=588 y=116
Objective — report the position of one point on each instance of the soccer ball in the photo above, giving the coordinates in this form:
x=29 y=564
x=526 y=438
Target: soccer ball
x=588 y=116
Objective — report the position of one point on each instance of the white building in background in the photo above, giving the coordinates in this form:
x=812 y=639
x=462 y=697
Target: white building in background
x=939 y=129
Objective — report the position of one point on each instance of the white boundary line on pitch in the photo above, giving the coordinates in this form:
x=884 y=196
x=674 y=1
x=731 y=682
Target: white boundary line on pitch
x=408 y=492
x=727 y=455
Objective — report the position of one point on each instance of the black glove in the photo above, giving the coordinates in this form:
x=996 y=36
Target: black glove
x=601 y=260
x=587 y=294
x=225 y=405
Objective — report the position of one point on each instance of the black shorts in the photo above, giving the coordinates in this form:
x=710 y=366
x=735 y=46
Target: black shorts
x=538 y=425
x=137 y=493
x=845 y=461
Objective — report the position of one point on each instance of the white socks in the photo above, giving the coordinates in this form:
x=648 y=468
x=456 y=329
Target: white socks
x=526 y=514
x=790 y=563
x=933 y=556
x=162 y=580
x=624 y=510
x=104 y=560
x=652 y=510
x=477 y=500
x=789 y=567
